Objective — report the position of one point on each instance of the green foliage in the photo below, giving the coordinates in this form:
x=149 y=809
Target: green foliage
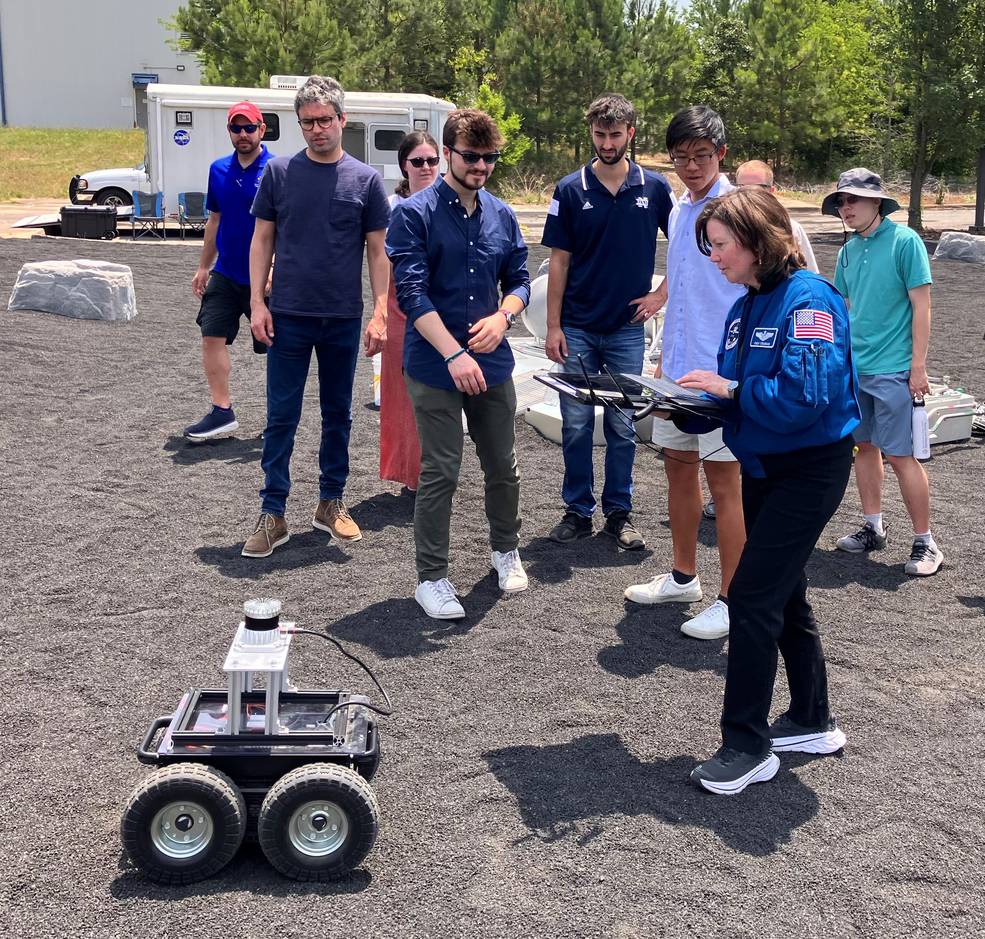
x=494 y=104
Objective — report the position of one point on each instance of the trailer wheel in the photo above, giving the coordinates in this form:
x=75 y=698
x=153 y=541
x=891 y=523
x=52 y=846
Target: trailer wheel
x=113 y=196
x=318 y=822
x=183 y=823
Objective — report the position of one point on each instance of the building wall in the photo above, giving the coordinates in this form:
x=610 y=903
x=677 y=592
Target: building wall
x=69 y=63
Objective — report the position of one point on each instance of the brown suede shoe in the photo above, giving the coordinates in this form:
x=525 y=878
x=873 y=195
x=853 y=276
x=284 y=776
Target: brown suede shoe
x=270 y=532
x=332 y=516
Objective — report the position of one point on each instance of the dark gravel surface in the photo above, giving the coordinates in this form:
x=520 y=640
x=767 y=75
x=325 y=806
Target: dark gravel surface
x=534 y=781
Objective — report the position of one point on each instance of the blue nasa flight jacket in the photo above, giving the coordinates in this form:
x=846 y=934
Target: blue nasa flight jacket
x=797 y=382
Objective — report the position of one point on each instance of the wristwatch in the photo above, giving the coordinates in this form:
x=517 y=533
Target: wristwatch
x=732 y=388
x=510 y=317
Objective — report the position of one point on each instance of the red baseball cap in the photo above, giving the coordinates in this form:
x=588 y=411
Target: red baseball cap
x=245 y=109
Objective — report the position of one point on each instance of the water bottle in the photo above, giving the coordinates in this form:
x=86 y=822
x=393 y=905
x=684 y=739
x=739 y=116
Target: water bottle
x=921 y=430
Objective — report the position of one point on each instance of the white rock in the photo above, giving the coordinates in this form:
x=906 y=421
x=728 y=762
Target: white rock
x=88 y=290
x=961 y=246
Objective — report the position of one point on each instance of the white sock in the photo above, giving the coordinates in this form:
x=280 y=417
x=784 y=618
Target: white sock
x=926 y=538
x=875 y=521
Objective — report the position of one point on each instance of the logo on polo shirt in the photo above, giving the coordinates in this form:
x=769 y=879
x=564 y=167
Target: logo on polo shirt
x=642 y=202
x=587 y=205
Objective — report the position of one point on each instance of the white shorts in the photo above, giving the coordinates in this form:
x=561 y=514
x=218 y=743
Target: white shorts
x=709 y=446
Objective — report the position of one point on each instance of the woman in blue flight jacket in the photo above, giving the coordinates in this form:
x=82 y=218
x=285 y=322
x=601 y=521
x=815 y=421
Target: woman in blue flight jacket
x=786 y=373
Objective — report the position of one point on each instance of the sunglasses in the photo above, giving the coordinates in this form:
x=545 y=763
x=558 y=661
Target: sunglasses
x=418 y=162
x=847 y=200
x=471 y=157
x=243 y=128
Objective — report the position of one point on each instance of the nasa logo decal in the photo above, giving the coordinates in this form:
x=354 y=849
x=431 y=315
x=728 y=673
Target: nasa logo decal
x=182 y=138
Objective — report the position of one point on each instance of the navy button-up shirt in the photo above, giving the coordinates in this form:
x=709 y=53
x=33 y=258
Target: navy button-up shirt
x=455 y=264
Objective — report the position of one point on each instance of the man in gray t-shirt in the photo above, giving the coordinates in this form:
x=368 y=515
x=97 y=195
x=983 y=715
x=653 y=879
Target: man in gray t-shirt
x=317 y=209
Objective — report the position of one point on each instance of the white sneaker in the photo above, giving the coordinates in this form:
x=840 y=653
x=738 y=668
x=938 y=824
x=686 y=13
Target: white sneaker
x=664 y=589
x=711 y=623
x=925 y=559
x=512 y=576
x=439 y=599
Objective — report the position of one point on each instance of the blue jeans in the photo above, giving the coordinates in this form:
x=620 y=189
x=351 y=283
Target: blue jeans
x=335 y=342
x=621 y=351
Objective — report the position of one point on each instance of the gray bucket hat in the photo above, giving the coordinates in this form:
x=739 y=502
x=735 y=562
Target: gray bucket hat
x=860 y=182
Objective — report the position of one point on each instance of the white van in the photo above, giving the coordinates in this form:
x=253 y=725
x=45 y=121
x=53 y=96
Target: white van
x=186 y=131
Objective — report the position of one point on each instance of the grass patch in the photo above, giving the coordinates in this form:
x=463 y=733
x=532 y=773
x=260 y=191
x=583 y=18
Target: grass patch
x=38 y=163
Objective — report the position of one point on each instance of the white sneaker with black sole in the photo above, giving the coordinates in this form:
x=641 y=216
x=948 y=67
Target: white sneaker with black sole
x=789 y=737
x=439 y=599
x=664 y=589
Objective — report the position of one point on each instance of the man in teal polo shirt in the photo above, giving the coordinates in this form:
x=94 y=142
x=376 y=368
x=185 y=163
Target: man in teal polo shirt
x=884 y=272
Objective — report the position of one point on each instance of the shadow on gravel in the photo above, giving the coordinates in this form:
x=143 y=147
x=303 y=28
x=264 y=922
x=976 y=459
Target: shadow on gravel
x=306 y=549
x=552 y=563
x=384 y=510
x=651 y=637
x=973 y=603
x=232 y=450
x=399 y=628
x=568 y=790
x=883 y=570
x=248 y=872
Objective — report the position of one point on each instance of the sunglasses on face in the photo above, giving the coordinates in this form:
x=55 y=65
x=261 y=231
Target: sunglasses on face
x=418 y=162
x=308 y=123
x=243 y=128
x=847 y=200
x=471 y=157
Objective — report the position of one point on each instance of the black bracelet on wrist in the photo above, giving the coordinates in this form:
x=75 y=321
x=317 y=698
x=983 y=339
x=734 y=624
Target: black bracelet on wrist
x=451 y=358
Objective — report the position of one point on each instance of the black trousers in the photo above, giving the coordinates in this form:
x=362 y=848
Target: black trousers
x=785 y=513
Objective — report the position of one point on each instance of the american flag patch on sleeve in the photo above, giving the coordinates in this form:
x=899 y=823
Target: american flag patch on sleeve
x=813 y=324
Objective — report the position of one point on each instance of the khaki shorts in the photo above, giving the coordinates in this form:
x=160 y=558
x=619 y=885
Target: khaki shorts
x=708 y=446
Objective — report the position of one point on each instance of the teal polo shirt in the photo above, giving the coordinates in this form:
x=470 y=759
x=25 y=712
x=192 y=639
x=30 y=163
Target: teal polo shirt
x=875 y=274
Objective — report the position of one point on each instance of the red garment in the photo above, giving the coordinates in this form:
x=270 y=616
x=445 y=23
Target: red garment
x=400 y=447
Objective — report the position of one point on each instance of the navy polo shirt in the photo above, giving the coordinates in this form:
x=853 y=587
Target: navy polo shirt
x=455 y=264
x=231 y=191
x=322 y=213
x=612 y=241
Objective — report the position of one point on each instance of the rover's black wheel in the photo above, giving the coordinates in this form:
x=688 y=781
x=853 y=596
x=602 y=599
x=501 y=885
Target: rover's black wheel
x=318 y=822
x=183 y=823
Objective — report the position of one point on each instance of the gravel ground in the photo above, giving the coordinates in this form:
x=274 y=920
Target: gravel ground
x=534 y=781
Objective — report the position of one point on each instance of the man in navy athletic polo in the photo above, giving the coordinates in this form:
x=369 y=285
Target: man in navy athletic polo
x=224 y=289
x=602 y=230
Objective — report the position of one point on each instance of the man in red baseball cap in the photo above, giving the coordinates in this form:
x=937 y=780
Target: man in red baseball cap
x=224 y=288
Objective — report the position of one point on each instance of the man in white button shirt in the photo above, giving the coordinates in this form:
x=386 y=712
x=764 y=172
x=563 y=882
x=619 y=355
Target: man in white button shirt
x=699 y=297
x=757 y=173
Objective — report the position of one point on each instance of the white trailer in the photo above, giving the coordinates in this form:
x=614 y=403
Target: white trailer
x=186 y=131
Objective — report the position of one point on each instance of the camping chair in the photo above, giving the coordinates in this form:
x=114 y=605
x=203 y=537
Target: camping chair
x=192 y=213
x=148 y=214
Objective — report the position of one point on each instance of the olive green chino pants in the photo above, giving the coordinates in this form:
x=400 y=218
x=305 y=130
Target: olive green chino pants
x=491 y=417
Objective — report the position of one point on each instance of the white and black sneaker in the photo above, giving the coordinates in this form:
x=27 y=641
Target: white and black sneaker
x=787 y=736
x=865 y=539
x=925 y=559
x=729 y=771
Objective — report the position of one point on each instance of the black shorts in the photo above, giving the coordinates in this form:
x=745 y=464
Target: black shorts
x=223 y=304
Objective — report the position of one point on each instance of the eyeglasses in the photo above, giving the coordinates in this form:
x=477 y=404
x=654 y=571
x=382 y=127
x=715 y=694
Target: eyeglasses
x=471 y=157
x=418 y=162
x=700 y=159
x=847 y=200
x=308 y=123
x=243 y=128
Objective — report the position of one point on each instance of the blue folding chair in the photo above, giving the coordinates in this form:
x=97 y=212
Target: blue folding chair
x=192 y=213
x=148 y=214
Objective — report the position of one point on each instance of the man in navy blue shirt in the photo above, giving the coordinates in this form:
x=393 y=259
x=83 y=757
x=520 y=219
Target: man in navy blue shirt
x=454 y=247
x=602 y=230
x=318 y=208
x=225 y=291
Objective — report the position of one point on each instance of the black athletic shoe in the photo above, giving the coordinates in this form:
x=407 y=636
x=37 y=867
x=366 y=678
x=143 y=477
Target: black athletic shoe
x=571 y=527
x=217 y=421
x=728 y=772
x=786 y=736
x=620 y=526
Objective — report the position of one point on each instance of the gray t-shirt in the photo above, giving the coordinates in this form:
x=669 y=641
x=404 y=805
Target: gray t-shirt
x=322 y=212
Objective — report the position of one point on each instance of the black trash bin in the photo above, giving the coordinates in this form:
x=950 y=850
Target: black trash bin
x=89 y=221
